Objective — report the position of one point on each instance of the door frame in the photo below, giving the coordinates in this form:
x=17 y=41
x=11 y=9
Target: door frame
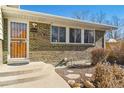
x=9 y=59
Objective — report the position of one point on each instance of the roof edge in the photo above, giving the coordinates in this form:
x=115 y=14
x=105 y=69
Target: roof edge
x=62 y=17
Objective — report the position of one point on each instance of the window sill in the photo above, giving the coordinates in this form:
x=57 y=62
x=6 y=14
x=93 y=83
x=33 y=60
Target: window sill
x=89 y=44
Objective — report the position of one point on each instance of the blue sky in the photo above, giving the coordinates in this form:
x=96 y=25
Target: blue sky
x=68 y=10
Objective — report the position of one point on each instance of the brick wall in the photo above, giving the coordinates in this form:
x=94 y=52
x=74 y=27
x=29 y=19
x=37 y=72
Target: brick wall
x=1 y=52
x=42 y=50
x=1 y=37
x=5 y=39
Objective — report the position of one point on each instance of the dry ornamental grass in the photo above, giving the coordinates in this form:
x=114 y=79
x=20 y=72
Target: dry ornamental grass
x=108 y=76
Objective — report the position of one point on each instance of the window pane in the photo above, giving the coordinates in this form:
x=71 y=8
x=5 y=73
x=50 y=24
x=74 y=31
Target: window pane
x=78 y=36
x=16 y=30
x=54 y=34
x=62 y=34
x=72 y=35
x=12 y=29
x=88 y=36
x=91 y=37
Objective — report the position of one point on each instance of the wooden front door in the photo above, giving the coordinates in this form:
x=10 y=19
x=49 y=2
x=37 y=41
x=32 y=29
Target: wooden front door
x=18 y=40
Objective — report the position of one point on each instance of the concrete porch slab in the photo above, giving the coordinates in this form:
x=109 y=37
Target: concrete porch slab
x=38 y=75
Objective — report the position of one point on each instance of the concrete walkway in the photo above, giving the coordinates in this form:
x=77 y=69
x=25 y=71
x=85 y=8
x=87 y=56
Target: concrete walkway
x=32 y=75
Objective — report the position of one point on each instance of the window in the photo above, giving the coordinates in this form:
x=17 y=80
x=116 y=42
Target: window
x=75 y=35
x=99 y=35
x=18 y=30
x=58 y=34
x=88 y=36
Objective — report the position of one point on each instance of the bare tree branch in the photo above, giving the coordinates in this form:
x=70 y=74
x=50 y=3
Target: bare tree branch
x=100 y=17
x=82 y=15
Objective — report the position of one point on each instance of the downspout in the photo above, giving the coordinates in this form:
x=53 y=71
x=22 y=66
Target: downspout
x=1 y=37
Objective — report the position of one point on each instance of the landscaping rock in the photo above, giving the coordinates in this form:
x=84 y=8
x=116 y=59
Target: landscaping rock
x=88 y=75
x=73 y=76
x=76 y=85
x=88 y=63
x=71 y=82
x=88 y=84
x=60 y=67
x=70 y=71
x=82 y=85
x=66 y=59
x=81 y=63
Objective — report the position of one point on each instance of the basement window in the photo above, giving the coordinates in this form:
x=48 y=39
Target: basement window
x=58 y=34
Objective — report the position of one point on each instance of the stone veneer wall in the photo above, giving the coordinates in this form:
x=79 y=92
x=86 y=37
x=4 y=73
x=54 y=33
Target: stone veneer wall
x=5 y=40
x=1 y=36
x=42 y=50
x=1 y=52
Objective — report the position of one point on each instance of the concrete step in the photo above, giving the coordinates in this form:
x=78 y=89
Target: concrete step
x=22 y=78
x=9 y=70
x=52 y=80
x=18 y=72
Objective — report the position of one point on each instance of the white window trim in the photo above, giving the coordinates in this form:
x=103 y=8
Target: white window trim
x=68 y=34
x=21 y=21
x=58 y=35
x=82 y=36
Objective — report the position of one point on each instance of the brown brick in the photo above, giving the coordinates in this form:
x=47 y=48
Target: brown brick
x=41 y=48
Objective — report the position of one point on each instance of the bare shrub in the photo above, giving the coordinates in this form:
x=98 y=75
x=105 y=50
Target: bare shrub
x=108 y=76
x=98 y=55
x=116 y=54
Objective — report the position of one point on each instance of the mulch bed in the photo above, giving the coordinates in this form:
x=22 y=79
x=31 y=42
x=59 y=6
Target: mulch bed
x=81 y=70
